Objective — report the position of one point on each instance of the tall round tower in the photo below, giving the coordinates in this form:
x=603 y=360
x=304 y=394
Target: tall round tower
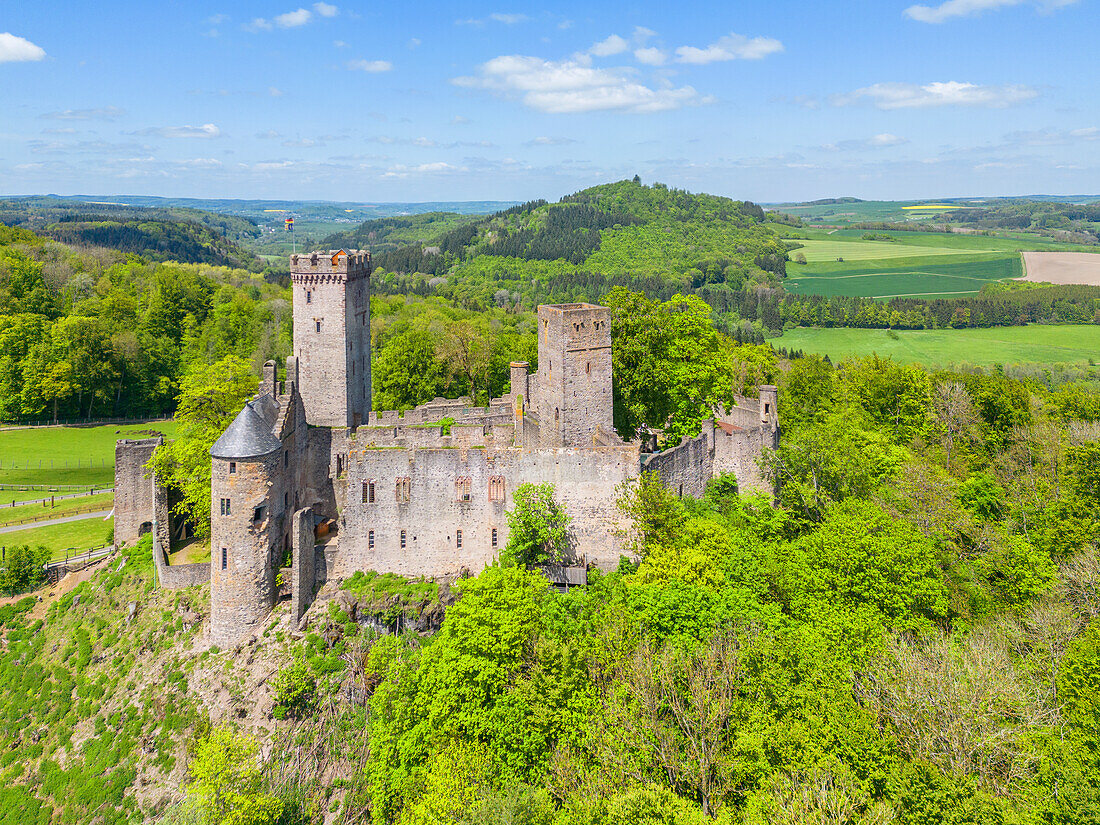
x=246 y=485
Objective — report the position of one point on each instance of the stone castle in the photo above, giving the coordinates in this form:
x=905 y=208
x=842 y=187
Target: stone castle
x=310 y=482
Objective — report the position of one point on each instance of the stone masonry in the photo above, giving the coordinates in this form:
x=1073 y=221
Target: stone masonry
x=408 y=494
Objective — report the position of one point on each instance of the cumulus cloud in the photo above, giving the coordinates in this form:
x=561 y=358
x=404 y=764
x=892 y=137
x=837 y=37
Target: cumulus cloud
x=651 y=56
x=207 y=130
x=572 y=85
x=611 y=45
x=102 y=113
x=372 y=66
x=939 y=93
x=971 y=8
x=325 y=9
x=731 y=47
x=435 y=168
x=292 y=19
x=15 y=49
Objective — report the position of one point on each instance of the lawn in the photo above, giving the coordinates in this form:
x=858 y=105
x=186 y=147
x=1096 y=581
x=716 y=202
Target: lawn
x=72 y=538
x=67 y=455
x=947 y=276
x=1039 y=344
x=61 y=508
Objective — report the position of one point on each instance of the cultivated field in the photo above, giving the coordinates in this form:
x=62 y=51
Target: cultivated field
x=944 y=276
x=857 y=250
x=1063 y=267
x=1035 y=344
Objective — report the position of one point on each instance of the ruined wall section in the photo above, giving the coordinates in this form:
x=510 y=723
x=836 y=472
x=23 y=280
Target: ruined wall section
x=133 y=491
x=331 y=306
x=437 y=512
x=304 y=563
x=686 y=468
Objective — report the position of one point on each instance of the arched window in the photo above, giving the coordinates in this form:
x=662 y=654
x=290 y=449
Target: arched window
x=462 y=488
x=496 y=488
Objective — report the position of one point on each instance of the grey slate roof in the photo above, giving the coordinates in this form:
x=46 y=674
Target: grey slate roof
x=251 y=433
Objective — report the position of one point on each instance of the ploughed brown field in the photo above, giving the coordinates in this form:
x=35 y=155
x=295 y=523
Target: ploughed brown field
x=1062 y=267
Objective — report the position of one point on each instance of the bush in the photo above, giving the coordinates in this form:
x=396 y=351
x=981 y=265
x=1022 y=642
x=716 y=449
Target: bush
x=23 y=568
x=295 y=688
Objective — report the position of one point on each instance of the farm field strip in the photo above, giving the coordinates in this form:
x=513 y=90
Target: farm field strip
x=854 y=250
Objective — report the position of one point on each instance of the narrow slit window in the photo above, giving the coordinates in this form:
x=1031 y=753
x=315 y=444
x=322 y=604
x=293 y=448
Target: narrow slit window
x=309 y=296
x=402 y=539
x=225 y=558
x=370 y=539
x=225 y=508
x=370 y=492
x=286 y=458
x=232 y=467
x=458 y=539
x=403 y=490
x=494 y=538
x=318 y=324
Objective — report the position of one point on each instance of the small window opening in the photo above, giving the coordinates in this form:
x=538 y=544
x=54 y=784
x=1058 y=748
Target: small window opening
x=402 y=539
x=494 y=538
x=232 y=467
x=225 y=558
x=370 y=539
x=309 y=296
x=557 y=414
x=458 y=539
x=588 y=368
x=403 y=490
x=318 y=323
x=225 y=509
x=258 y=513
x=681 y=492
x=286 y=500
x=767 y=408
x=462 y=488
x=286 y=458
x=496 y=488
x=370 y=492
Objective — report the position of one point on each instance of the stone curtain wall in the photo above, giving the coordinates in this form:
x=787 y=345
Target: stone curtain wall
x=305 y=575
x=133 y=492
x=686 y=468
x=587 y=484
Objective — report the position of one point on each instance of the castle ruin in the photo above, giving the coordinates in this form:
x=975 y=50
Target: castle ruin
x=309 y=481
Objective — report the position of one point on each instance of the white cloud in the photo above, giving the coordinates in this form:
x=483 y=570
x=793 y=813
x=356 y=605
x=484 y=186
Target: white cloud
x=372 y=66
x=102 y=113
x=437 y=167
x=459 y=120
x=651 y=56
x=612 y=45
x=549 y=141
x=568 y=86
x=268 y=135
x=886 y=139
x=293 y=19
x=259 y=24
x=301 y=143
x=881 y=141
x=325 y=9
x=207 y=130
x=15 y=49
x=508 y=19
x=641 y=35
x=972 y=8
x=939 y=93
x=200 y=163
x=274 y=91
x=731 y=47
x=414 y=42
x=340 y=44
x=217 y=19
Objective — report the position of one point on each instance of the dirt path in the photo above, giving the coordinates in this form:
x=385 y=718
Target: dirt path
x=1062 y=267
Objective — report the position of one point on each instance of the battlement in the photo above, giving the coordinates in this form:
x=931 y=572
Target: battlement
x=338 y=264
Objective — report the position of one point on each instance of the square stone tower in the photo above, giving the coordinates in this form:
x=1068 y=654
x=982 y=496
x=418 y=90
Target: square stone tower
x=574 y=389
x=332 y=335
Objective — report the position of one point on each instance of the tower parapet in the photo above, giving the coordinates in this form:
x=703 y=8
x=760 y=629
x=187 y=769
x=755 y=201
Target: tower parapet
x=331 y=299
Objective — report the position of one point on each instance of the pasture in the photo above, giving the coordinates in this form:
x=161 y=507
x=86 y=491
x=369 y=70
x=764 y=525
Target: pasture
x=1035 y=344
x=817 y=251
x=71 y=538
x=67 y=455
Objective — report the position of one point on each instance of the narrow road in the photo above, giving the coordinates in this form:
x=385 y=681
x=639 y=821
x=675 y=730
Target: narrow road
x=31 y=525
x=19 y=503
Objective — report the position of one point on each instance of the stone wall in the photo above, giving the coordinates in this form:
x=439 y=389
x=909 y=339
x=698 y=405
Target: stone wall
x=133 y=491
x=305 y=574
x=686 y=468
x=178 y=576
x=436 y=517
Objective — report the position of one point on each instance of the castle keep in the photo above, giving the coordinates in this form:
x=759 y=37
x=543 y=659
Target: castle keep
x=308 y=475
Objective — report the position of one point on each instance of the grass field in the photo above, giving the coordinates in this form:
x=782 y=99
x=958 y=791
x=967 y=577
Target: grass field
x=51 y=455
x=857 y=250
x=944 y=276
x=74 y=536
x=1035 y=344
x=1003 y=242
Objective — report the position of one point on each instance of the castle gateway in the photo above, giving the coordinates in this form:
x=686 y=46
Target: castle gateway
x=307 y=470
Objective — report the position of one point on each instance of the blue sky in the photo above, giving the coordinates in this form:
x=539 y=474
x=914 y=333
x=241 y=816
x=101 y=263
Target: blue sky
x=417 y=101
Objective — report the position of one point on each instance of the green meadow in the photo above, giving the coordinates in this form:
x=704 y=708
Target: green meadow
x=1035 y=344
x=69 y=539
x=67 y=455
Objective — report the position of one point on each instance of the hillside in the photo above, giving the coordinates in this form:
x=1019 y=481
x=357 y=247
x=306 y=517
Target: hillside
x=159 y=234
x=653 y=237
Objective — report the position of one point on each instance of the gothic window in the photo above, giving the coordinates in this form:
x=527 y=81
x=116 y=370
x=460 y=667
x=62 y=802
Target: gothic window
x=225 y=511
x=403 y=490
x=232 y=467
x=496 y=488
x=458 y=539
x=225 y=558
x=368 y=492
x=402 y=539
x=462 y=488
x=494 y=538
x=370 y=539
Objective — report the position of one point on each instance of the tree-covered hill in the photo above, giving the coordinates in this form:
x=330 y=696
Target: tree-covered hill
x=656 y=238
x=384 y=234
x=161 y=234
